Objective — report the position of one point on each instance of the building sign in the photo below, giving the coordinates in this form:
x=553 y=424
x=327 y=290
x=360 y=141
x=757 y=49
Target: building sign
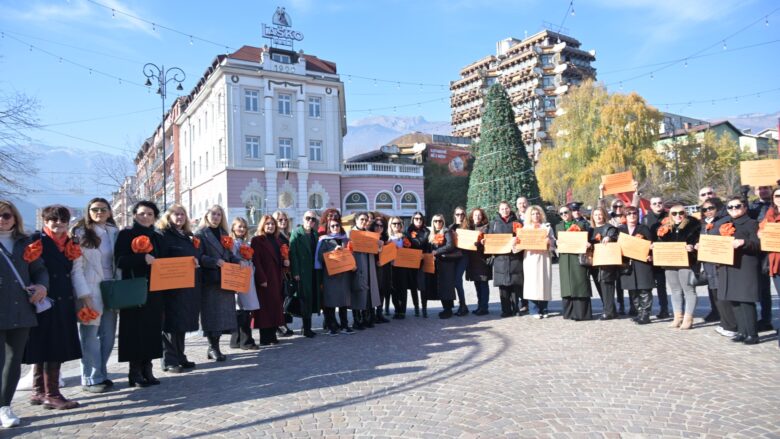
x=454 y=158
x=280 y=33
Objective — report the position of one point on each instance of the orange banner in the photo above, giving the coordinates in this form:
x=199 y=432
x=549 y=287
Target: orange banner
x=532 y=239
x=498 y=243
x=172 y=273
x=428 y=263
x=633 y=247
x=236 y=278
x=607 y=254
x=388 y=253
x=364 y=242
x=466 y=239
x=770 y=237
x=716 y=249
x=339 y=261
x=759 y=172
x=572 y=242
x=618 y=183
x=670 y=254
x=407 y=258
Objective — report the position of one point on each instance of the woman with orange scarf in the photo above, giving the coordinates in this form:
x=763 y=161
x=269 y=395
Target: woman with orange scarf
x=575 y=284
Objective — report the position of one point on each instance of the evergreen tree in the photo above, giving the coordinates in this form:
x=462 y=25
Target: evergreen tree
x=502 y=169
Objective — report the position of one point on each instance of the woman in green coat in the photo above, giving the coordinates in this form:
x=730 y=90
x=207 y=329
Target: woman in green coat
x=575 y=285
x=303 y=242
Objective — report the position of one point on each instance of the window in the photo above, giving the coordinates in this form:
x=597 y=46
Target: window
x=193 y=169
x=221 y=150
x=251 y=100
x=252 y=147
x=549 y=103
x=282 y=58
x=356 y=202
x=314 y=107
x=185 y=173
x=315 y=201
x=547 y=60
x=285 y=148
x=200 y=165
x=285 y=104
x=255 y=206
x=548 y=81
x=286 y=200
x=409 y=201
x=207 y=160
x=384 y=201
x=315 y=150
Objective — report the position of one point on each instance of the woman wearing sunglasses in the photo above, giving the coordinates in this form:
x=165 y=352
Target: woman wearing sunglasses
x=459 y=220
x=417 y=234
x=575 y=284
x=384 y=273
x=446 y=258
x=477 y=269
x=680 y=228
x=336 y=288
x=738 y=283
x=402 y=278
x=638 y=279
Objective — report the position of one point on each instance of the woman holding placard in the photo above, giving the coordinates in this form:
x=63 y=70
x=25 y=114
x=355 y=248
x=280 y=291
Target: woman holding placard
x=384 y=273
x=713 y=213
x=365 y=285
x=603 y=232
x=575 y=285
x=335 y=287
x=459 y=221
x=269 y=262
x=638 y=278
x=446 y=260
x=537 y=265
x=737 y=283
x=773 y=216
x=403 y=278
x=285 y=228
x=477 y=269
x=679 y=228
x=507 y=268
x=218 y=306
x=417 y=234
x=182 y=306
x=246 y=303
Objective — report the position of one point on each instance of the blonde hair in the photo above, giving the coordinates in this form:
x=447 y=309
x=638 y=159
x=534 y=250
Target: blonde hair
x=537 y=208
x=18 y=228
x=261 y=225
x=389 y=229
x=685 y=219
x=204 y=222
x=166 y=222
x=239 y=220
x=277 y=215
x=433 y=226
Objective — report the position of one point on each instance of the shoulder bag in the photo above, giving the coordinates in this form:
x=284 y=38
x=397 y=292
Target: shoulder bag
x=124 y=293
x=586 y=259
x=697 y=277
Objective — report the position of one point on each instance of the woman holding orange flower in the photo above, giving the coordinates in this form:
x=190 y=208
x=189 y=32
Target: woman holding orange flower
x=713 y=214
x=217 y=306
x=140 y=329
x=604 y=232
x=56 y=339
x=575 y=284
x=403 y=278
x=477 y=269
x=269 y=259
x=241 y=338
x=638 y=279
x=738 y=283
x=446 y=257
x=417 y=234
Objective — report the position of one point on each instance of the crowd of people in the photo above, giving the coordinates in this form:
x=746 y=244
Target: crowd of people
x=52 y=310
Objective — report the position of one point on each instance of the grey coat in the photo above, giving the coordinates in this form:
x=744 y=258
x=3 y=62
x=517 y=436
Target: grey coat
x=335 y=289
x=365 y=283
x=217 y=306
x=15 y=309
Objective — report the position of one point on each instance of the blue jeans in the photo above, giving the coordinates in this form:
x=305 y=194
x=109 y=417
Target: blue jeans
x=483 y=294
x=539 y=307
x=97 y=342
x=460 y=268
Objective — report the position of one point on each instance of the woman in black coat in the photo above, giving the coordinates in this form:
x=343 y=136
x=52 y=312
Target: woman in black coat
x=638 y=278
x=417 y=233
x=140 y=329
x=459 y=220
x=446 y=257
x=508 y=268
x=477 y=269
x=402 y=278
x=738 y=283
x=56 y=339
x=603 y=232
x=181 y=306
x=712 y=217
x=384 y=273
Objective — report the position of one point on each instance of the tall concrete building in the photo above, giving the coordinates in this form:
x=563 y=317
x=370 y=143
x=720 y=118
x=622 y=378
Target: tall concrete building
x=535 y=71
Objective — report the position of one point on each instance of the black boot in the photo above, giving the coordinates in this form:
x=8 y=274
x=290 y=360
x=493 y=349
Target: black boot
x=379 y=317
x=307 y=332
x=357 y=320
x=644 y=306
x=135 y=377
x=146 y=371
x=463 y=310
x=368 y=318
x=213 y=353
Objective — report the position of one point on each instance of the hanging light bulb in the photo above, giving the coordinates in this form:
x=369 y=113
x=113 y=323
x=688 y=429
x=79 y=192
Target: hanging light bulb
x=572 y=10
x=766 y=21
x=398 y=86
x=374 y=82
x=651 y=76
x=113 y=13
x=724 y=45
x=154 y=27
x=191 y=43
x=686 y=62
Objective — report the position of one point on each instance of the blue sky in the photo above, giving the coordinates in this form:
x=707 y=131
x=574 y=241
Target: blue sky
x=410 y=42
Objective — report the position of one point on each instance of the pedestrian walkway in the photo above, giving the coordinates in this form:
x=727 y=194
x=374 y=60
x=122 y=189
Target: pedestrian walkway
x=462 y=377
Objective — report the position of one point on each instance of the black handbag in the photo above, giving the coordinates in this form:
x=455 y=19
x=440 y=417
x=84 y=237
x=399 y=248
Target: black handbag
x=697 y=277
x=586 y=259
x=125 y=293
x=290 y=286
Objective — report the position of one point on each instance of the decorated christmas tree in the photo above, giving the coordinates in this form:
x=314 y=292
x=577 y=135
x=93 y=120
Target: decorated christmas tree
x=502 y=169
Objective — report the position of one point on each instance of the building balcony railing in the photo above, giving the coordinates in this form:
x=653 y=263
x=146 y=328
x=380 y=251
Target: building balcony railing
x=381 y=169
x=286 y=164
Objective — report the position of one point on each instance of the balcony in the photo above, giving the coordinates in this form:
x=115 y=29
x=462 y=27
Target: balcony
x=381 y=169
x=286 y=164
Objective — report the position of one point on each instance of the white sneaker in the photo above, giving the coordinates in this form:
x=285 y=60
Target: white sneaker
x=537 y=316
x=724 y=332
x=7 y=417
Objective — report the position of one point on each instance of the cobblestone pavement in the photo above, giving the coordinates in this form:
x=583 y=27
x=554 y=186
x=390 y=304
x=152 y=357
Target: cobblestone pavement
x=463 y=377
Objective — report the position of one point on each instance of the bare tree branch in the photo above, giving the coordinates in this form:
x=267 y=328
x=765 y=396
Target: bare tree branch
x=18 y=113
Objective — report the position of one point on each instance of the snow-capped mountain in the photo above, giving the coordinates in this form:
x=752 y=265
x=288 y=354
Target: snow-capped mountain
x=370 y=133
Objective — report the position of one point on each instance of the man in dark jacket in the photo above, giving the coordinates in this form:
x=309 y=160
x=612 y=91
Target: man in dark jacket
x=653 y=220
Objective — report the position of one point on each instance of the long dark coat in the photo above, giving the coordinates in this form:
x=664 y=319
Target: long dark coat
x=335 y=289
x=477 y=268
x=419 y=241
x=15 y=308
x=607 y=273
x=268 y=270
x=217 y=306
x=446 y=257
x=508 y=268
x=710 y=268
x=739 y=282
x=182 y=306
x=56 y=338
x=302 y=248
x=140 y=329
x=574 y=277
x=641 y=273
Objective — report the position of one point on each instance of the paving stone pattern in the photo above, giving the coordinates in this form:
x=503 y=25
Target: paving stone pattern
x=466 y=377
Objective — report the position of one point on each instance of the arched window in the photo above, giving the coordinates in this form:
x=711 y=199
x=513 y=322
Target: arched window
x=409 y=201
x=286 y=200
x=315 y=201
x=384 y=201
x=255 y=207
x=356 y=202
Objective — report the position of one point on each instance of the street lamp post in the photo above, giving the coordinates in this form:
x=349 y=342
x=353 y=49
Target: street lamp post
x=163 y=77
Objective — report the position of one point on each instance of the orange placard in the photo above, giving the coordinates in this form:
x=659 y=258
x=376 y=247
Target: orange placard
x=407 y=258
x=633 y=247
x=498 y=243
x=607 y=254
x=572 y=242
x=236 y=278
x=172 y=273
x=716 y=249
x=532 y=239
x=770 y=237
x=670 y=254
x=339 y=261
x=466 y=239
x=364 y=242
x=428 y=263
x=759 y=172
x=388 y=253
x=618 y=183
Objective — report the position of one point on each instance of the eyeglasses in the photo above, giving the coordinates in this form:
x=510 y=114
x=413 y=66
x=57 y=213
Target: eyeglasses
x=564 y=212
x=282 y=219
x=379 y=225
x=735 y=206
x=677 y=213
x=417 y=218
x=657 y=203
x=776 y=195
x=6 y=216
x=438 y=221
x=334 y=226
x=460 y=214
x=709 y=208
x=704 y=194
x=98 y=209
x=310 y=218
x=58 y=220
x=617 y=206
x=632 y=213
x=396 y=224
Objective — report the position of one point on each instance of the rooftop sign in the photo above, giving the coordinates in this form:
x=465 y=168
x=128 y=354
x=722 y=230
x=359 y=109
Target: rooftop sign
x=280 y=32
